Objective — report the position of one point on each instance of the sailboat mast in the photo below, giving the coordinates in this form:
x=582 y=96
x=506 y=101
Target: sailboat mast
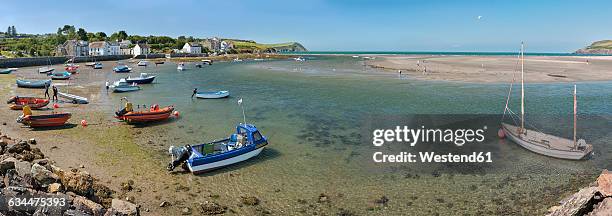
x=575 y=111
x=522 y=89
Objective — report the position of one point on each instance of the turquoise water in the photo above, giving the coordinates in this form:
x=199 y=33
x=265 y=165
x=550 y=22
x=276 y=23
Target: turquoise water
x=313 y=113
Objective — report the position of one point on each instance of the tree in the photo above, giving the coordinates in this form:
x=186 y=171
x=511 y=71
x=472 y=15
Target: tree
x=14 y=31
x=101 y=35
x=122 y=35
x=8 y=31
x=82 y=34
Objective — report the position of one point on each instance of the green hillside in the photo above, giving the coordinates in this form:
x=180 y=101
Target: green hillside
x=603 y=44
x=251 y=45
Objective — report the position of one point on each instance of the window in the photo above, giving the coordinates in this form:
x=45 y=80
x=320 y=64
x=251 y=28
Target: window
x=256 y=136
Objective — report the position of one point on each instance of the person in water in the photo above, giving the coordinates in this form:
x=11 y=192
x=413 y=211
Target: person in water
x=195 y=91
x=47 y=91
x=55 y=93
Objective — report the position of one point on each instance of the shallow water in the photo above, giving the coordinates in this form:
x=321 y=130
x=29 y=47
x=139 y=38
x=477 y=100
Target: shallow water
x=315 y=116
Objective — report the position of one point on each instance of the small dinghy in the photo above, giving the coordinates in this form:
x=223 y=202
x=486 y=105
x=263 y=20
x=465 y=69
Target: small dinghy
x=159 y=62
x=72 y=69
x=122 y=69
x=212 y=95
x=45 y=70
x=154 y=114
x=207 y=61
x=90 y=64
x=60 y=76
x=143 y=63
x=246 y=143
x=97 y=65
x=48 y=120
x=33 y=83
x=75 y=99
x=123 y=86
x=6 y=71
x=33 y=102
x=144 y=78
x=180 y=67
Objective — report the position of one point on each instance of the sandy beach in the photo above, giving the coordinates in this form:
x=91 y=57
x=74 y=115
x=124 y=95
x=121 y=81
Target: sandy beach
x=498 y=69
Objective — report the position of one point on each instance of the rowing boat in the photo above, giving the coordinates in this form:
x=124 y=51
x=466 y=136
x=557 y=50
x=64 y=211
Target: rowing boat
x=46 y=120
x=75 y=99
x=32 y=102
x=213 y=94
x=154 y=114
x=33 y=83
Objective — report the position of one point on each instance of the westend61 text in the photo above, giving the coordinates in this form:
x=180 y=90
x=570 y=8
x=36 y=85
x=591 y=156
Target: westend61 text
x=428 y=157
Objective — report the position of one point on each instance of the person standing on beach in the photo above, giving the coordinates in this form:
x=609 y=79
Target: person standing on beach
x=195 y=91
x=107 y=86
x=55 y=93
x=47 y=91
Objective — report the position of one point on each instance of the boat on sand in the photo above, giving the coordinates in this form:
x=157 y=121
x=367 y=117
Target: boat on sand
x=75 y=99
x=60 y=76
x=33 y=102
x=46 y=120
x=153 y=114
x=33 y=83
x=45 y=70
x=247 y=142
x=144 y=78
x=122 y=69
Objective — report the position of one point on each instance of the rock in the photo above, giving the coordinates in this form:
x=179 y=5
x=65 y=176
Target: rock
x=604 y=183
x=43 y=176
x=19 y=147
x=43 y=162
x=130 y=199
x=127 y=186
x=604 y=208
x=124 y=207
x=88 y=206
x=164 y=204
x=23 y=168
x=79 y=182
x=6 y=164
x=211 y=208
x=576 y=202
x=111 y=212
x=82 y=166
x=54 y=187
x=382 y=200
x=186 y=211
x=249 y=200
x=322 y=198
x=32 y=141
x=102 y=194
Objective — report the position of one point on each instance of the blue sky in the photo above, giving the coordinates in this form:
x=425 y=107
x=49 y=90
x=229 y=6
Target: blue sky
x=357 y=25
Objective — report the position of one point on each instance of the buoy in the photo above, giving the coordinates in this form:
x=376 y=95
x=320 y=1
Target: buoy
x=176 y=114
x=55 y=106
x=84 y=123
x=501 y=134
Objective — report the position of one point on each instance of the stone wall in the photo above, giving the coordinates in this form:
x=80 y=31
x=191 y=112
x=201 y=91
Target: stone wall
x=40 y=61
x=151 y=56
x=180 y=55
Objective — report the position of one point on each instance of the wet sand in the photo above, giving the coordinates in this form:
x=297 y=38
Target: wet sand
x=498 y=69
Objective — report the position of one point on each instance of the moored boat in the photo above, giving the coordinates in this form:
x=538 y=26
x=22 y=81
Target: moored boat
x=153 y=114
x=245 y=143
x=122 y=69
x=180 y=66
x=46 y=120
x=143 y=63
x=90 y=64
x=75 y=99
x=72 y=69
x=97 y=65
x=213 y=94
x=144 y=78
x=60 y=76
x=33 y=83
x=123 y=86
x=45 y=70
x=207 y=61
x=6 y=71
x=33 y=102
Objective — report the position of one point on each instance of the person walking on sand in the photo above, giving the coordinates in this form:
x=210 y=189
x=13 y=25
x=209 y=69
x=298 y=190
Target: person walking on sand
x=195 y=91
x=55 y=93
x=107 y=86
x=47 y=91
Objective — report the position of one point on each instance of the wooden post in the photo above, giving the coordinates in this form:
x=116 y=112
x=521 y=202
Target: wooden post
x=575 y=111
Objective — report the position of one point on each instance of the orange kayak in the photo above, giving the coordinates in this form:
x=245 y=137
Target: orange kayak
x=32 y=102
x=50 y=120
x=152 y=115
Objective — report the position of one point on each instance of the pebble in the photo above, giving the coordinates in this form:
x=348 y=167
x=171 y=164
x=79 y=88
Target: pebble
x=186 y=211
x=164 y=204
x=32 y=141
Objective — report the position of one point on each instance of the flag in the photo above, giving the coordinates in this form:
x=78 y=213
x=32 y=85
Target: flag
x=240 y=101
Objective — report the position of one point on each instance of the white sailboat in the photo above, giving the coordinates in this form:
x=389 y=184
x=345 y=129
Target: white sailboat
x=540 y=142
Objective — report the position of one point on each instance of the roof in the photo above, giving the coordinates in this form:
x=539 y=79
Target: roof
x=143 y=46
x=98 y=44
x=194 y=44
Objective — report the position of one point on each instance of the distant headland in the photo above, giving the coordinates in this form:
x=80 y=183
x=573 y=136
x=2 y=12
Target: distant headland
x=602 y=47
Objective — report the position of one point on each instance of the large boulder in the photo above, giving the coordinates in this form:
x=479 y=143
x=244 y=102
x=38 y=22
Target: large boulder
x=6 y=164
x=19 y=147
x=43 y=176
x=124 y=207
x=604 y=183
x=23 y=168
x=87 y=206
x=604 y=208
x=79 y=182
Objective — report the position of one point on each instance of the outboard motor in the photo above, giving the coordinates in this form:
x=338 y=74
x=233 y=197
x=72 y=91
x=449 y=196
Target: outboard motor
x=11 y=100
x=179 y=156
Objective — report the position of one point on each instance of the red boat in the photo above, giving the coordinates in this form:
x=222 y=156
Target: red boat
x=152 y=115
x=48 y=120
x=72 y=69
x=32 y=102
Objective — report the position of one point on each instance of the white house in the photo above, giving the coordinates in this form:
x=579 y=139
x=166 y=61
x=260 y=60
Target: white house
x=226 y=45
x=99 y=48
x=141 y=49
x=125 y=47
x=114 y=48
x=192 y=47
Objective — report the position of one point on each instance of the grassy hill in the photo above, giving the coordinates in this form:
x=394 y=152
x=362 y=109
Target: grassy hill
x=251 y=45
x=597 y=47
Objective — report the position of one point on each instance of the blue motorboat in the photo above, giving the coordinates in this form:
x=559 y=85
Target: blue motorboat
x=97 y=65
x=246 y=143
x=123 y=86
x=60 y=76
x=122 y=69
x=213 y=94
x=144 y=78
x=33 y=83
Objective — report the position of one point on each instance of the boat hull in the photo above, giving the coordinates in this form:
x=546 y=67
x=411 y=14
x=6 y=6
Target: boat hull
x=146 y=117
x=123 y=89
x=45 y=70
x=52 y=120
x=196 y=168
x=512 y=133
x=140 y=80
x=33 y=84
x=32 y=102
x=6 y=71
x=213 y=95
x=74 y=98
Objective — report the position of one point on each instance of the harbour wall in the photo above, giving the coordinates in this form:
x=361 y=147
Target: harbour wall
x=40 y=61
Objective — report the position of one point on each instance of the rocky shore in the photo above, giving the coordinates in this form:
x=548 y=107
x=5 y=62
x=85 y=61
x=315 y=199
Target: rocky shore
x=594 y=200
x=27 y=173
